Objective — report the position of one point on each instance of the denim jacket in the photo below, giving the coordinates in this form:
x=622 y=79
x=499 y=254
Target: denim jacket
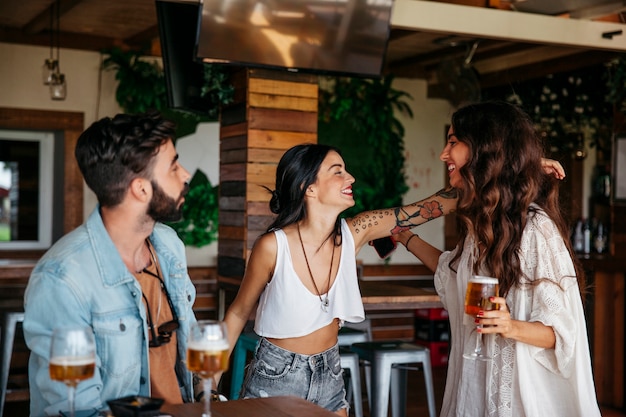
x=82 y=280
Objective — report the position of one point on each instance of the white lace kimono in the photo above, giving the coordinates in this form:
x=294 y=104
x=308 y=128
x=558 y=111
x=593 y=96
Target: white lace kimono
x=521 y=380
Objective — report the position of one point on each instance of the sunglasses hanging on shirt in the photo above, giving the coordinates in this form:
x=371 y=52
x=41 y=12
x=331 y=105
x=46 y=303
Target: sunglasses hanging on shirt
x=166 y=329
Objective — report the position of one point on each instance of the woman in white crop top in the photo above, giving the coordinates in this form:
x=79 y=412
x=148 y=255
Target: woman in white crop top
x=302 y=273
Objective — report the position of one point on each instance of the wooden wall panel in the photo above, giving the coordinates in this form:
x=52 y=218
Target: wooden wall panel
x=234 y=156
x=255 y=192
x=261 y=173
x=284 y=88
x=233 y=136
x=272 y=111
x=232 y=172
x=232 y=232
x=281 y=102
x=232 y=203
x=288 y=120
x=265 y=155
x=272 y=139
x=232 y=218
x=259 y=208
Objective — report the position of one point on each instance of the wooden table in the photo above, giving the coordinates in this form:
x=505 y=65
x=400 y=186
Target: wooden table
x=377 y=295
x=254 y=407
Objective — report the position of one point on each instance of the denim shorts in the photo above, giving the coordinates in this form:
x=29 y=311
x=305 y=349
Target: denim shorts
x=317 y=378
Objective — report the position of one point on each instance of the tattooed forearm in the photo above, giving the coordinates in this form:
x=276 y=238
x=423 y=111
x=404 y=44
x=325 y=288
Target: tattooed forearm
x=441 y=203
x=429 y=210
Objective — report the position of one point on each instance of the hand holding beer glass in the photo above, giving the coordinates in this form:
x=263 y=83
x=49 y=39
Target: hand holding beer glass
x=72 y=358
x=207 y=354
x=479 y=290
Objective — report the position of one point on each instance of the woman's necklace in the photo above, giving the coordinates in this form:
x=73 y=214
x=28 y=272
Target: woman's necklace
x=325 y=302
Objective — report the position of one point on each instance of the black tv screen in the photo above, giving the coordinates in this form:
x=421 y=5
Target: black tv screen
x=184 y=74
x=327 y=36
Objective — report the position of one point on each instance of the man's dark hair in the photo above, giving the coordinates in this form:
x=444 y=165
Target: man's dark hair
x=113 y=152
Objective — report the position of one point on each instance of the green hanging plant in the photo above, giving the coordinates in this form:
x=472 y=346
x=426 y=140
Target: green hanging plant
x=142 y=87
x=358 y=116
x=141 y=83
x=199 y=224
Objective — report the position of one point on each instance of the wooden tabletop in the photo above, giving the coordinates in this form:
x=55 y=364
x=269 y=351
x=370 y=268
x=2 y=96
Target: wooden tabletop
x=255 y=407
x=378 y=295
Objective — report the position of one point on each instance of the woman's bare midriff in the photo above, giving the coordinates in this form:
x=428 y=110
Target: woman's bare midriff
x=316 y=342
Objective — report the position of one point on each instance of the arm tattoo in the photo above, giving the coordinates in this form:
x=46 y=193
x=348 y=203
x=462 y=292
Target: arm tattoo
x=428 y=210
x=370 y=219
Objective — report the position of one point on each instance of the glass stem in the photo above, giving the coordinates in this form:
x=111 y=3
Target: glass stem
x=479 y=344
x=207 y=396
x=71 y=391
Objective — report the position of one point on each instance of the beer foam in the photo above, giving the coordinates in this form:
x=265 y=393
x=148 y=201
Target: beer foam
x=483 y=280
x=72 y=360
x=208 y=345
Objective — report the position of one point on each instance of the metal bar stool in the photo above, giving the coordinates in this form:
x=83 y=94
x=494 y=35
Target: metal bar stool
x=386 y=359
x=9 y=325
x=350 y=361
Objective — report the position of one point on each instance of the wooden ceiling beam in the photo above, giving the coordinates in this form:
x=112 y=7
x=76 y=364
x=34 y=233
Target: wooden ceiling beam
x=72 y=41
x=42 y=21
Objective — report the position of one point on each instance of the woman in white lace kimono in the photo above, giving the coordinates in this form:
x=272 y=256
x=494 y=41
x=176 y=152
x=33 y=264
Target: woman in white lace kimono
x=510 y=228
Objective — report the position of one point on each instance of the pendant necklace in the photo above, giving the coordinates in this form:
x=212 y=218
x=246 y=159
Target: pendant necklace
x=324 y=301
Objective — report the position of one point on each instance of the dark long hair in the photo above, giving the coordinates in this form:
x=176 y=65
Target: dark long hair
x=112 y=152
x=502 y=177
x=296 y=171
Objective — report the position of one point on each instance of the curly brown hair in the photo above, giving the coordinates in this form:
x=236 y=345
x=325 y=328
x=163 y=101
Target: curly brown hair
x=502 y=177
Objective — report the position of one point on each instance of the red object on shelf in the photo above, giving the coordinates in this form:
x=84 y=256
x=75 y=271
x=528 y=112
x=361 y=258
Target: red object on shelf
x=438 y=352
x=432 y=313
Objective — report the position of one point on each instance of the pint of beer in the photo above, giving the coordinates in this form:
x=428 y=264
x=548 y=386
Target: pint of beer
x=71 y=370
x=479 y=289
x=207 y=359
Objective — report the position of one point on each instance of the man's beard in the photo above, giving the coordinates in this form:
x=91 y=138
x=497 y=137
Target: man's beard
x=164 y=208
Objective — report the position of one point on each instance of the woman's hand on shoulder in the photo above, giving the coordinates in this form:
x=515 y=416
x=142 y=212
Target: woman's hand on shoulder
x=552 y=167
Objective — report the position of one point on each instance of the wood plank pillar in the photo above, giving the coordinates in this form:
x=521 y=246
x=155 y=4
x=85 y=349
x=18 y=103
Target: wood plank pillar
x=272 y=111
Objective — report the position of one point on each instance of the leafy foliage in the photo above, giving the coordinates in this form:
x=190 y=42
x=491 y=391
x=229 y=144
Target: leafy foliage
x=141 y=88
x=199 y=224
x=217 y=88
x=564 y=105
x=141 y=84
x=357 y=115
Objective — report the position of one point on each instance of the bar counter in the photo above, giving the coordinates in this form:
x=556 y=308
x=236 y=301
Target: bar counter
x=255 y=407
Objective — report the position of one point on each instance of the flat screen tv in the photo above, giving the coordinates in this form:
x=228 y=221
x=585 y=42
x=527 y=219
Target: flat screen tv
x=321 y=36
x=178 y=23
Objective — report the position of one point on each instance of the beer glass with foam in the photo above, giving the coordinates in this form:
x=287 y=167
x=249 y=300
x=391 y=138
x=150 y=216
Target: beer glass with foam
x=72 y=358
x=207 y=354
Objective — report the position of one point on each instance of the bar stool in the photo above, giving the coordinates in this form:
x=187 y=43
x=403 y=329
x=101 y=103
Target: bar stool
x=9 y=325
x=350 y=361
x=247 y=342
x=386 y=359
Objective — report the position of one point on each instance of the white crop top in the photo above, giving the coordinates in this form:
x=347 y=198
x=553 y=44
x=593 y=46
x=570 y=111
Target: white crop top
x=288 y=309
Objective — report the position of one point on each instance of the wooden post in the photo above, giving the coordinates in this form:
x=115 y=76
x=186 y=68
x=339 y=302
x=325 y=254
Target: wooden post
x=272 y=111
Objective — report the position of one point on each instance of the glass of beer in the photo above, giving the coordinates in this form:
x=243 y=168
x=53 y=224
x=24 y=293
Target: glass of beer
x=479 y=290
x=207 y=354
x=72 y=358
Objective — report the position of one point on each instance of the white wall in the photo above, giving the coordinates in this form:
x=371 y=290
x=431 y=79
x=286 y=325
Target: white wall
x=92 y=92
